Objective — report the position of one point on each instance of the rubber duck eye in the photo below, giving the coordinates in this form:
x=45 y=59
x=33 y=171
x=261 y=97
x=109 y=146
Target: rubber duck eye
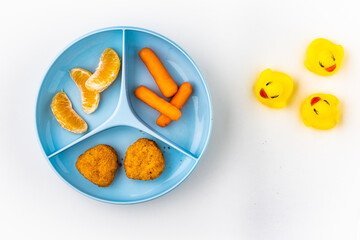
x=327 y=102
x=333 y=58
x=321 y=65
x=275 y=96
x=317 y=113
x=268 y=83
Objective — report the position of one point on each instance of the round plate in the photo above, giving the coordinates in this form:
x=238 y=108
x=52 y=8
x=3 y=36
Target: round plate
x=121 y=118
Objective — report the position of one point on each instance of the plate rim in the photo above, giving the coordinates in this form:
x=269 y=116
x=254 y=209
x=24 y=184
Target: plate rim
x=124 y=28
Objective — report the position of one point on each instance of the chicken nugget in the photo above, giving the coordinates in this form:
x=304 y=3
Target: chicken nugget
x=144 y=160
x=98 y=165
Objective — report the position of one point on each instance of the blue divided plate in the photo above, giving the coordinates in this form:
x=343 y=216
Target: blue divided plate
x=121 y=118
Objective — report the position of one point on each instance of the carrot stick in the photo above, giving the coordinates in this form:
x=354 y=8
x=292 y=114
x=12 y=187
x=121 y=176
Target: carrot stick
x=161 y=76
x=178 y=101
x=156 y=102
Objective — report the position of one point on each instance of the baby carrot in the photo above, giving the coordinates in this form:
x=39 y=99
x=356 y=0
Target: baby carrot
x=156 y=102
x=178 y=101
x=161 y=76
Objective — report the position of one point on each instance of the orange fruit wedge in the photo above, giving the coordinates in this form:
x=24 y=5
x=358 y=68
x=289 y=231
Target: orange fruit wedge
x=105 y=73
x=66 y=116
x=89 y=99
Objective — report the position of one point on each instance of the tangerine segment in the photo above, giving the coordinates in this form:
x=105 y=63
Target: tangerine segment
x=89 y=99
x=66 y=116
x=105 y=73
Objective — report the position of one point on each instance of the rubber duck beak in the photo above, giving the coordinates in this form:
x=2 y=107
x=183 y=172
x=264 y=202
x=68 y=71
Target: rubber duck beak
x=330 y=69
x=315 y=100
x=263 y=93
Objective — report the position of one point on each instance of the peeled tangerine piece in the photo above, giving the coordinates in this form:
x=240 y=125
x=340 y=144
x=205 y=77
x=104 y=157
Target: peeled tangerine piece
x=89 y=99
x=66 y=116
x=274 y=89
x=323 y=57
x=106 y=72
x=320 y=111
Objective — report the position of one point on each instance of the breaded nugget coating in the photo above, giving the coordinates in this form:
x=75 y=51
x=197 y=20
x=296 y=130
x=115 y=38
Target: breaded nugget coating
x=98 y=165
x=144 y=160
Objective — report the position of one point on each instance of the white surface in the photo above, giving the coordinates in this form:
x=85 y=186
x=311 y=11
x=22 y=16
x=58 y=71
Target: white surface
x=264 y=175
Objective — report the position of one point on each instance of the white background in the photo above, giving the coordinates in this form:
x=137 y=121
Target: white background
x=264 y=176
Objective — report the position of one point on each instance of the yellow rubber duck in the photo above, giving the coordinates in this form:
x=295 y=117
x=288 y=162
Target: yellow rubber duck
x=323 y=57
x=274 y=89
x=320 y=111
